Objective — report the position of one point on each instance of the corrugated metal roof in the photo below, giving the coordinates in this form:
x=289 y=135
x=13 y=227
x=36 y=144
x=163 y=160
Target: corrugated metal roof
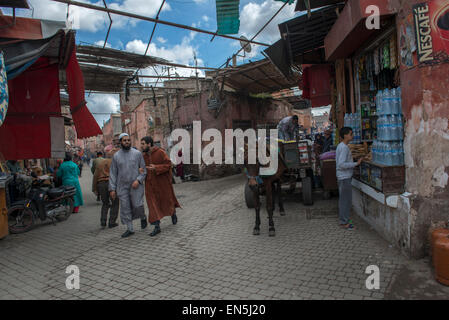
x=304 y=34
x=228 y=14
x=256 y=77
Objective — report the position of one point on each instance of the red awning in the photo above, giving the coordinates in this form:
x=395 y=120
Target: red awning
x=316 y=84
x=33 y=98
x=85 y=124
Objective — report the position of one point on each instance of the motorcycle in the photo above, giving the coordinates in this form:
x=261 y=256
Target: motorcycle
x=40 y=202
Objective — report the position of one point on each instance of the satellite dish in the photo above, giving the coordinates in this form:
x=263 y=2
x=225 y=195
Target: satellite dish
x=151 y=122
x=244 y=42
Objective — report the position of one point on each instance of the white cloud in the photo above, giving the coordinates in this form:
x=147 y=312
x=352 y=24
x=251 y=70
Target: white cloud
x=92 y=20
x=200 y=1
x=206 y=18
x=254 y=15
x=102 y=105
x=101 y=43
x=161 y=39
x=182 y=53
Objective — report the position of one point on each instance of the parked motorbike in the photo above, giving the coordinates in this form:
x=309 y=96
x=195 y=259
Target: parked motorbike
x=40 y=202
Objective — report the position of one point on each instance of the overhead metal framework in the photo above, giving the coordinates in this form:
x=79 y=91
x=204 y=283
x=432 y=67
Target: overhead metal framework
x=258 y=32
x=136 y=16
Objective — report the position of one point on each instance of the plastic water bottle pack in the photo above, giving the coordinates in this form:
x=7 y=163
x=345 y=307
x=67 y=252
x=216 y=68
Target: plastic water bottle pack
x=388 y=148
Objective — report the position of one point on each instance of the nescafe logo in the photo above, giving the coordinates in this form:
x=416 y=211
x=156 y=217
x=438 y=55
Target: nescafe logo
x=424 y=39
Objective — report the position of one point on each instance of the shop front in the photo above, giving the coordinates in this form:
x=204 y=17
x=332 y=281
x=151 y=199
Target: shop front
x=394 y=100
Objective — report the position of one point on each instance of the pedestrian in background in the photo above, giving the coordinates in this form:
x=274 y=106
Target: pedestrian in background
x=100 y=186
x=327 y=143
x=68 y=171
x=180 y=167
x=126 y=183
x=345 y=169
x=159 y=193
x=98 y=159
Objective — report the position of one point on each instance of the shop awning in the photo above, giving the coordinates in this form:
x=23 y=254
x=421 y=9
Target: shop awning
x=256 y=77
x=278 y=55
x=33 y=62
x=20 y=55
x=34 y=101
x=350 y=32
x=304 y=36
x=106 y=69
x=85 y=124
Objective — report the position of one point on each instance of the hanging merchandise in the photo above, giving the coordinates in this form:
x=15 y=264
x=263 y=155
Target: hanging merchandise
x=4 y=97
x=393 y=52
x=381 y=57
x=376 y=62
x=386 y=55
x=370 y=70
x=362 y=67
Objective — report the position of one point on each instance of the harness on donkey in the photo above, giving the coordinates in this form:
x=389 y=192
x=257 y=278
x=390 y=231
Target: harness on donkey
x=259 y=178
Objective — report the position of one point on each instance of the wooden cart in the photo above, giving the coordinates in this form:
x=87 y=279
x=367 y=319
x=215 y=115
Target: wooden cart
x=5 y=179
x=329 y=177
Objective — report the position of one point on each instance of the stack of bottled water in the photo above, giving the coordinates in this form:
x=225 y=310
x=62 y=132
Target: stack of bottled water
x=388 y=148
x=353 y=121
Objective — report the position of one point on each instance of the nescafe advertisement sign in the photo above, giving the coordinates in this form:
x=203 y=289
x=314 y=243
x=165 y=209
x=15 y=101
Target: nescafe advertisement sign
x=432 y=31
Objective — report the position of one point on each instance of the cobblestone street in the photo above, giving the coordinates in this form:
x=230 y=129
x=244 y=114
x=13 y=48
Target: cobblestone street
x=210 y=254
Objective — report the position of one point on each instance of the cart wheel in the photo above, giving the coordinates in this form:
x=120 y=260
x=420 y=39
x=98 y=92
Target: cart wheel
x=307 y=191
x=326 y=195
x=249 y=199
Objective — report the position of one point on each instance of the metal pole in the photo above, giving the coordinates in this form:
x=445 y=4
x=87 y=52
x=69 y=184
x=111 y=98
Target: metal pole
x=169 y=77
x=183 y=66
x=136 y=16
x=154 y=27
x=168 y=107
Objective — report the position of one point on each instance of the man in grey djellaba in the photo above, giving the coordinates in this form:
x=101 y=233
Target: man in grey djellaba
x=126 y=179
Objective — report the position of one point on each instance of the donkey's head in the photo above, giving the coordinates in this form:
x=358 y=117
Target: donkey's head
x=252 y=169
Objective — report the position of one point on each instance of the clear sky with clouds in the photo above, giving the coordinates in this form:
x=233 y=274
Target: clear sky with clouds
x=174 y=44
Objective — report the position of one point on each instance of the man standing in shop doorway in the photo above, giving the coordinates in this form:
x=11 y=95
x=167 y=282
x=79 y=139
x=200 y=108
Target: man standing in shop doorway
x=345 y=169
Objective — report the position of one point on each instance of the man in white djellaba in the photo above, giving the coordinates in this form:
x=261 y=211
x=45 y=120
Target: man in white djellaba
x=126 y=181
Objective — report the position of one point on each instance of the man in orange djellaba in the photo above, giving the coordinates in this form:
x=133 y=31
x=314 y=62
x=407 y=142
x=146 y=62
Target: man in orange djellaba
x=159 y=193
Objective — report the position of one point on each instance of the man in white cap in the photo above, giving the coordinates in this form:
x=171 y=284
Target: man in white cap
x=126 y=182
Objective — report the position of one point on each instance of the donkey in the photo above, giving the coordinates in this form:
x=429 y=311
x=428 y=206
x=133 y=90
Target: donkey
x=271 y=184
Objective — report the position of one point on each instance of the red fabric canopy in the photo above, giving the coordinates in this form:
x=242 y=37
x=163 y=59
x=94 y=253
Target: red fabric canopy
x=33 y=98
x=85 y=124
x=316 y=85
